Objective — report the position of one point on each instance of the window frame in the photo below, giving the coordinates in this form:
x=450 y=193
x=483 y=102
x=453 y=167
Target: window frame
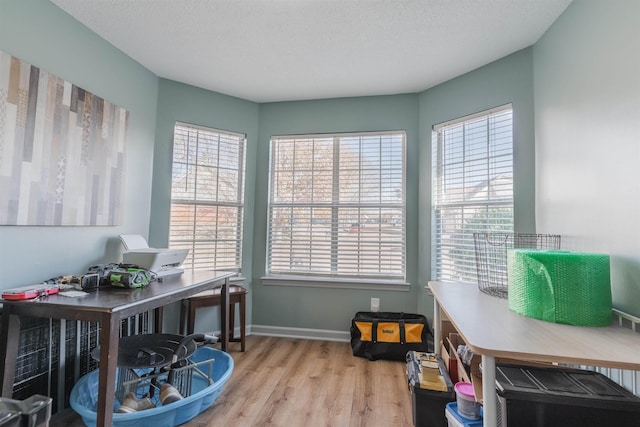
x=463 y=241
x=237 y=204
x=335 y=279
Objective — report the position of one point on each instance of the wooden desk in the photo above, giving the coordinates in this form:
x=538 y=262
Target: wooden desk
x=492 y=330
x=108 y=306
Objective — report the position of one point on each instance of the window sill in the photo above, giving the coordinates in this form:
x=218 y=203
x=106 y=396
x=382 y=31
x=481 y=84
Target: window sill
x=237 y=279
x=316 y=282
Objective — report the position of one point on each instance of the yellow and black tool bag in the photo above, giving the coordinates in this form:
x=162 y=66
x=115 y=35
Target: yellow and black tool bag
x=387 y=335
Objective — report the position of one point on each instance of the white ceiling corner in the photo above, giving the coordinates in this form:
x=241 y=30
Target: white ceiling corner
x=282 y=50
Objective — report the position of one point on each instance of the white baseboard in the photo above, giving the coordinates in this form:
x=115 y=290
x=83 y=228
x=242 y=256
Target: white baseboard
x=310 y=334
x=286 y=332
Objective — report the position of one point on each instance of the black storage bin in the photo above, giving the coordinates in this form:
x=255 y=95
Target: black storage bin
x=428 y=406
x=560 y=397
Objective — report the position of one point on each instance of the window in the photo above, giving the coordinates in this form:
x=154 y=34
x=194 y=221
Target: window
x=207 y=187
x=337 y=206
x=472 y=188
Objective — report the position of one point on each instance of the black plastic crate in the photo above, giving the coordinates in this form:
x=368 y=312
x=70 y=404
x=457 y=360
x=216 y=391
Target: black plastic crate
x=559 y=397
x=429 y=406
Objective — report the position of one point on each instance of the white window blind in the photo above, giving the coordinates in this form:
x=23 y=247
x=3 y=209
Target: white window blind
x=337 y=206
x=472 y=188
x=207 y=194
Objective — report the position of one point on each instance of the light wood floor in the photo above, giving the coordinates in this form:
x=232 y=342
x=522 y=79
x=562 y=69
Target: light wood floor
x=306 y=383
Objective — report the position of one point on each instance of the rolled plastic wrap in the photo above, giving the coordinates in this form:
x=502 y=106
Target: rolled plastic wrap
x=559 y=286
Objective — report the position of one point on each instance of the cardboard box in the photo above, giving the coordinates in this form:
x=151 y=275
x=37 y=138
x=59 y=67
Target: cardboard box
x=454 y=341
x=457 y=372
x=449 y=361
x=446 y=328
x=474 y=375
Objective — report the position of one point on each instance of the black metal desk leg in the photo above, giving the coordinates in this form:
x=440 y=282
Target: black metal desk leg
x=157 y=320
x=109 y=340
x=224 y=315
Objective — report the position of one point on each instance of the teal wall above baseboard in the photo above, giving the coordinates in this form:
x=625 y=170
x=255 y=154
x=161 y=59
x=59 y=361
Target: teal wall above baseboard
x=38 y=32
x=576 y=126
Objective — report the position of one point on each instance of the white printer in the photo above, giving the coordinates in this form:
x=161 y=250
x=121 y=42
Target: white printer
x=163 y=262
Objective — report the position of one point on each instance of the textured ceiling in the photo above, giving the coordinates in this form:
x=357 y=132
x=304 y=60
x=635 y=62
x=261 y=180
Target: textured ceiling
x=280 y=50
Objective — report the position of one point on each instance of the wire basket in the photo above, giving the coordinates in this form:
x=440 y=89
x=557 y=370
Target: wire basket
x=147 y=382
x=491 y=256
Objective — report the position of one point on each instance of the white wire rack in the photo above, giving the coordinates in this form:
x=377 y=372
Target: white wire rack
x=624 y=377
x=147 y=382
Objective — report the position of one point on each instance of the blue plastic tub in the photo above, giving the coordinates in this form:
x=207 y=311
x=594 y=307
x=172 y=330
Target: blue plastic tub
x=84 y=396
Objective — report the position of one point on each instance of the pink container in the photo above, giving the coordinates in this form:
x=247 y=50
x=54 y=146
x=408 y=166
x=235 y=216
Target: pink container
x=466 y=400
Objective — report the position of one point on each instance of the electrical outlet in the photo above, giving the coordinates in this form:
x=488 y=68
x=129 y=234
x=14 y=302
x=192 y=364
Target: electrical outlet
x=375 y=304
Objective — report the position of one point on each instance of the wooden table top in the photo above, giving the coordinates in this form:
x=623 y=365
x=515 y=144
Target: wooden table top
x=114 y=300
x=490 y=328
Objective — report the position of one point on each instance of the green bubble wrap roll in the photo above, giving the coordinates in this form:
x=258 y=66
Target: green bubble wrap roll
x=560 y=286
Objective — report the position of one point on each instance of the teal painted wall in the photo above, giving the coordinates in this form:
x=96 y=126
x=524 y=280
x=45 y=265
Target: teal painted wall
x=188 y=104
x=38 y=32
x=587 y=109
x=508 y=80
x=331 y=309
x=582 y=76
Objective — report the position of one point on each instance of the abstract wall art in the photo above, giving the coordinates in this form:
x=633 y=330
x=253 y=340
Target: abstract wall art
x=62 y=151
